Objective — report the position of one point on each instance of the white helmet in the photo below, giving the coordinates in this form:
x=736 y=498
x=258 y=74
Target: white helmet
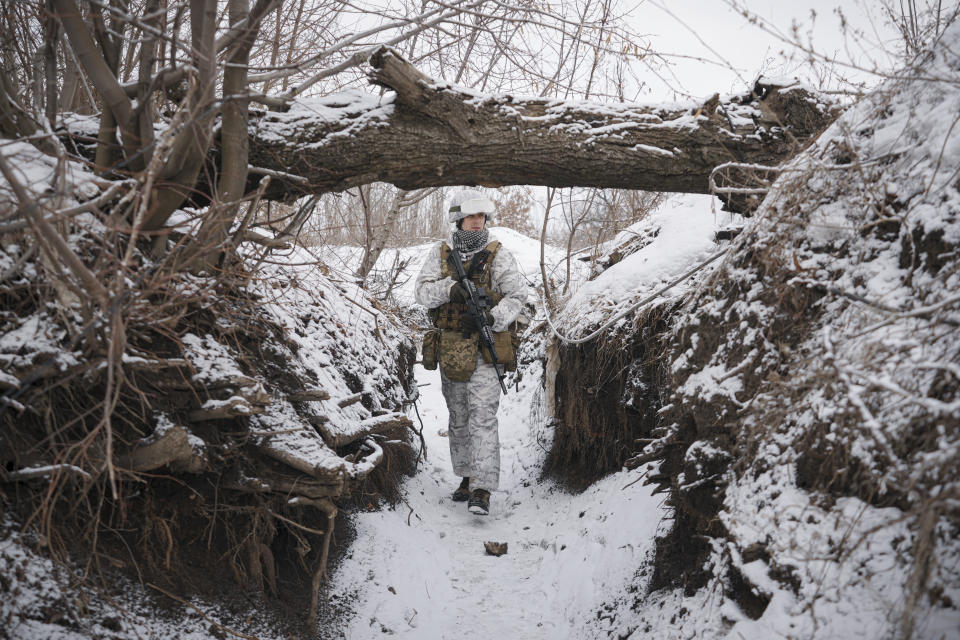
x=468 y=202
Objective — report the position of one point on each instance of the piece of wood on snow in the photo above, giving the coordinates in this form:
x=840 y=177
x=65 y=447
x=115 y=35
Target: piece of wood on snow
x=349 y=400
x=237 y=381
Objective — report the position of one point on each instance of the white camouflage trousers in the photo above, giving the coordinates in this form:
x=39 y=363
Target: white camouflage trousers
x=473 y=429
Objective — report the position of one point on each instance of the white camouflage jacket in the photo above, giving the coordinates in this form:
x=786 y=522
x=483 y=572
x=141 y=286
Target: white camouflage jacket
x=431 y=290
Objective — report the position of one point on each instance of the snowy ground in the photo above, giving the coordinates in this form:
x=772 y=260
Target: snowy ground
x=422 y=571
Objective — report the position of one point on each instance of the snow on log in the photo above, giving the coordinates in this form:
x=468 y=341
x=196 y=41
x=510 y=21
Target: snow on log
x=303 y=450
x=437 y=134
x=140 y=363
x=366 y=465
x=353 y=398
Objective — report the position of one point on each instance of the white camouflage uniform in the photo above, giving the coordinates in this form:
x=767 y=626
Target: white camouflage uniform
x=473 y=429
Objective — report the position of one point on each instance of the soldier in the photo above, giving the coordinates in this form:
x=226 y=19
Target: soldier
x=469 y=381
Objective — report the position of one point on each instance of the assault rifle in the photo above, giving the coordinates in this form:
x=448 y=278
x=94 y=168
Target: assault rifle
x=477 y=305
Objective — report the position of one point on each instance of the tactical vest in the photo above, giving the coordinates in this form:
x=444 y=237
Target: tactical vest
x=456 y=353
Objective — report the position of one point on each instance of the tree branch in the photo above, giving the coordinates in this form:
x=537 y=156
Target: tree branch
x=98 y=71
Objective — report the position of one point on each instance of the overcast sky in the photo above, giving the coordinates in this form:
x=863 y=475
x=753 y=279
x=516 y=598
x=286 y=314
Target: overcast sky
x=727 y=36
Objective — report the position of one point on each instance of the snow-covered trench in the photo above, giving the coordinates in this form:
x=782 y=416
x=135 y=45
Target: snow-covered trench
x=576 y=563
x=420 y=570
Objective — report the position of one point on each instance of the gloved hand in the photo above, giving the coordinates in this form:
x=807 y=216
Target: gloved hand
x=467 y=323
x=458 y=293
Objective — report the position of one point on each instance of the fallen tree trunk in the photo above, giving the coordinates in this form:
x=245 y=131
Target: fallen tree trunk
x=431 y=134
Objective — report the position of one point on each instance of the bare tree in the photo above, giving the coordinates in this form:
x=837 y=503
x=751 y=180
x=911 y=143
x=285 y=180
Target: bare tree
x=543 y=242
x=175 y=80
x=513 y=210
x=576 y=209
x=377 y=239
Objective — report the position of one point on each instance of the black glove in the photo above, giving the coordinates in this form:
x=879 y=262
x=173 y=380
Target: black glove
x=458 y=293
x=467 y=323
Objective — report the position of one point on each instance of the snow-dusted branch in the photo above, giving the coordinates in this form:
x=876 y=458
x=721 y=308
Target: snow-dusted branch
x=874 y=430
x=934 y=406
x=46 y=471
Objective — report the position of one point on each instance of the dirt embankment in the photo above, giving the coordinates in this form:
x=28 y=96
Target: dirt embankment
x=201 y=442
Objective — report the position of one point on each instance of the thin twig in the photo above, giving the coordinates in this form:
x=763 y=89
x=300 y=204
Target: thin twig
x=293 y=523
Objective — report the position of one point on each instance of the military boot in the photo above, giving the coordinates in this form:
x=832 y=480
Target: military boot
x=462 y=494
x=479 y=502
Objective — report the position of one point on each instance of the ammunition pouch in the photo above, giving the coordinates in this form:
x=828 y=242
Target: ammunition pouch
x=447 y=316
x=458 y=355
x=431 y=349
x=506 y=343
